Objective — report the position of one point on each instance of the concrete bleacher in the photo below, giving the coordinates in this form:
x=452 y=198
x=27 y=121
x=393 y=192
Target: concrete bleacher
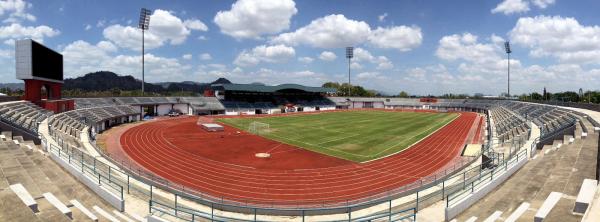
x=73 y=122
x=562 y=170
x=23 y=114
x=35 y=188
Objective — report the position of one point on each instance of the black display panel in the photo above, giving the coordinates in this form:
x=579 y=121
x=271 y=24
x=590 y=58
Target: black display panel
x=45 y=62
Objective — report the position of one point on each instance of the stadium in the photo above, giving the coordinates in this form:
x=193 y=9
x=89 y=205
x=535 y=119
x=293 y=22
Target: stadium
x=289 y=152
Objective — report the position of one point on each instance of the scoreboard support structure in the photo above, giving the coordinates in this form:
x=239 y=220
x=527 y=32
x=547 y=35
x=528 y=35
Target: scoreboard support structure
x=41 y=69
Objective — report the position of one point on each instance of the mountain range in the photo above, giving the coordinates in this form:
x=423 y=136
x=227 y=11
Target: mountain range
x=106 y=80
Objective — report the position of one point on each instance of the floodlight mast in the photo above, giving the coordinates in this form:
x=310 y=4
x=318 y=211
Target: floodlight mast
x=349 y=56
x=508 y=51
x=144 y=24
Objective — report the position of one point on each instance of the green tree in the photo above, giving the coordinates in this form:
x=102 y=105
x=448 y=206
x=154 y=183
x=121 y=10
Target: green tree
x=403 y=94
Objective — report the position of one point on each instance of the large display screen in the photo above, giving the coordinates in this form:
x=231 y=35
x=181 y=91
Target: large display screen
x=46 y=63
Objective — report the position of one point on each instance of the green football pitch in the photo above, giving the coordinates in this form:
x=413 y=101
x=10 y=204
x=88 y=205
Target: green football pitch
x=354 y=135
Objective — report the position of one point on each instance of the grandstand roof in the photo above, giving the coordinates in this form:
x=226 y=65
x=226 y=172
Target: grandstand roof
x=271 y=89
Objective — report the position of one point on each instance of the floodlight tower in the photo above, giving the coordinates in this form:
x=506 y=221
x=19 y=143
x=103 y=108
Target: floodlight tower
x=508 y=51
x=349 y=56
x=144 y=24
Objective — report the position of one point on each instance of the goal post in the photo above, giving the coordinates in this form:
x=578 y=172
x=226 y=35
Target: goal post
x=258 y=128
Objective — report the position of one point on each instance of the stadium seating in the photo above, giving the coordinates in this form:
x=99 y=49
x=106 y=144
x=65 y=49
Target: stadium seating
x=72 y=123
x=23 y=114
x=35 y=188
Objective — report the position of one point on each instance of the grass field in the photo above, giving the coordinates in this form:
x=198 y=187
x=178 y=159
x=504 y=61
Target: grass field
x=355 y=135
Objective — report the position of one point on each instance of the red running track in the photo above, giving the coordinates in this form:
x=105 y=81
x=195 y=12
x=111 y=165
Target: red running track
x=223 y=164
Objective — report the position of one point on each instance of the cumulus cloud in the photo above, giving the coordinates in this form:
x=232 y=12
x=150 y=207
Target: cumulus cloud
x=264 y=75
x=332 y=31
x=263 y=53
x=402 y=38
x=195 y=24
x=17 y=31
x=82 y=57
x=466 y=47
x=254 y=18
x=543 y=3
x=559 y=37
x=508 y=7
x=305 y=60
x=512 y=6
x=336 y=31
x=363 y=55
x=187 y=56
x=16 y=10
x=327 y=56
x=164 y=28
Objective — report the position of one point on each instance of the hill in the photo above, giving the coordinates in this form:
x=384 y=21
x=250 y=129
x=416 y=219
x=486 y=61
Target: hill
x=106 y=81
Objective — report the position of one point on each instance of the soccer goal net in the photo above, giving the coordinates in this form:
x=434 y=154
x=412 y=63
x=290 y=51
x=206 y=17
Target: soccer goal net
x=258 y=128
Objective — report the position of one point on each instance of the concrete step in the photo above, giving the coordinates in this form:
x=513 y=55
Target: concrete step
x=13 y=209
x=15 y=173
x=7 y=134
x=49 y=213
x=556 y=144
x=67 y=183
x=18 y=138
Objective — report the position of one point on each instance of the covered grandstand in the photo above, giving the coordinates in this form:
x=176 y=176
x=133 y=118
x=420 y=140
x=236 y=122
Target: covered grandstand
x=250 y=99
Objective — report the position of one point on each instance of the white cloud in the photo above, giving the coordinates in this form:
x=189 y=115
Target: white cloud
x=305 y=60
x=17 y=31
x=562 y=38
x=382 y=17
x=263 y=53
x=254 y=18
x=384 y=63
x=466 y=47
x=369 y=75
x=187 y=56
x=332 y=31
x=195 y=24
x=543 y=3
x=164 y=28
x=205 y=56
x=520 y=6
x=362 y=55
x=87 y=27
x=82 y=57
x=336 y=31
x=327 y=56
x=402 y=38
x=16 y=10
x=356 y=65
x=512 y=6
x=264 y=75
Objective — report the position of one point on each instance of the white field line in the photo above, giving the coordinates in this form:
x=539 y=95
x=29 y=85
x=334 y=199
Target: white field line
x=408 y=147
x=322 y=147
x=331 y=140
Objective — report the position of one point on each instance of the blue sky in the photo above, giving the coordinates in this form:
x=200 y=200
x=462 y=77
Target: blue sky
x=419 y=46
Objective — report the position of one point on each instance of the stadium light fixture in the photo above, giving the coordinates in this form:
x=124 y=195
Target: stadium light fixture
x=508 y=51
x=144 y=24
x=349 y=56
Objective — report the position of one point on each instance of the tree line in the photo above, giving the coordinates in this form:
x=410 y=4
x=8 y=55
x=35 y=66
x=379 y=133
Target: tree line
x=567 y=96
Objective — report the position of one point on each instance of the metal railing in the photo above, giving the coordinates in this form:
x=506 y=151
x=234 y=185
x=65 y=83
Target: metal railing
x=484 y=176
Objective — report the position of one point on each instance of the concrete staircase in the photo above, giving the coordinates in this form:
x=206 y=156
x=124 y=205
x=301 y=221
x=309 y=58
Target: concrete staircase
x=24 y=164
x=559 y=170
